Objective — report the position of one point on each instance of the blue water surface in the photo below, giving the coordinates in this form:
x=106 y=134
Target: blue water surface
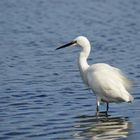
x=42 y=96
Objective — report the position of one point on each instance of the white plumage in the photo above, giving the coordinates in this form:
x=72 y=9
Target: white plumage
x=107 y=82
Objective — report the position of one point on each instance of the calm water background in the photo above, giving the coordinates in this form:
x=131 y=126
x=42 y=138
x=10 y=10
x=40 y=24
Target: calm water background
x=41 y=93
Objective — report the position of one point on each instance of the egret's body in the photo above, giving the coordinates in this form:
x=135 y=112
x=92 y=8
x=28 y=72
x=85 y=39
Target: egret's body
x=107 y=82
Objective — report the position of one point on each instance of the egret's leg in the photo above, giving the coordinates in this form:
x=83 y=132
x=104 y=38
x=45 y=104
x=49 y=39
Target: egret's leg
x=97 y=110
x=97 y=106
x=107 y=106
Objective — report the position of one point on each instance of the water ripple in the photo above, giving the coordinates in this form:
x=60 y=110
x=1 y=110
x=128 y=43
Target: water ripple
x=41 y=93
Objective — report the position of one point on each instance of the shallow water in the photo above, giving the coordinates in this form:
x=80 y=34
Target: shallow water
x=41 y=93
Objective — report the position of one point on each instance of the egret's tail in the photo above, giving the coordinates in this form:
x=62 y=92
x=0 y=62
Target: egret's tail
x=128 y=97
x=131 y=98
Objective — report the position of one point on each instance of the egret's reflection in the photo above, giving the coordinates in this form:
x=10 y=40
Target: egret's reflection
x=102 y=127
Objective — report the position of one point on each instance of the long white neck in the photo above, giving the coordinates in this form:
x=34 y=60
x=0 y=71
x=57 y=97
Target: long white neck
x=83 y=65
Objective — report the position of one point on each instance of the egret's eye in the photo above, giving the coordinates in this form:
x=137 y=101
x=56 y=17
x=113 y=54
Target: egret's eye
x=75 y=41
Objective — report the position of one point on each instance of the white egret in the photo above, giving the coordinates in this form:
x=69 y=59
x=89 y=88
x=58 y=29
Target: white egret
x=107 y=82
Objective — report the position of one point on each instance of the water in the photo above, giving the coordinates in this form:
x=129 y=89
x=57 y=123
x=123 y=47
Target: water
x=41 y=92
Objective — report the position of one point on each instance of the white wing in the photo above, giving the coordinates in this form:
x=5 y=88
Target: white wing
x=108 y=83
x=125 y=81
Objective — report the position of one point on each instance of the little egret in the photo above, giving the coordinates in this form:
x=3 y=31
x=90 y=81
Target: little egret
x=108 y=83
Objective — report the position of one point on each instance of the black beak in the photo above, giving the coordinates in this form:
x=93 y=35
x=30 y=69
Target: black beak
x=66 y=45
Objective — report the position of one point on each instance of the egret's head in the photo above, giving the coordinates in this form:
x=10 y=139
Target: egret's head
x=80 y=40
x=84 y=43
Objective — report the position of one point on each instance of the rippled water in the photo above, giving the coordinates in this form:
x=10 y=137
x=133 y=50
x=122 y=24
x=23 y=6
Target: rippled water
x=41 y=92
